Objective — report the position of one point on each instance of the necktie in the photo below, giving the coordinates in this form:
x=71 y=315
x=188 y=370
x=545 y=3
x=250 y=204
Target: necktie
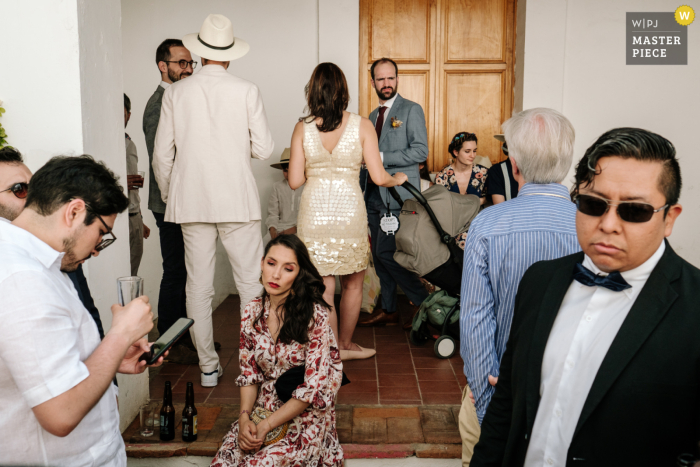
x=380 y=122
x=378 y=128
x=613 y=281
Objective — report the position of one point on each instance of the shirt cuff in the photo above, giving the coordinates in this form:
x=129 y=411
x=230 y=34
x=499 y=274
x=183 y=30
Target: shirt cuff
x=381 y=154
x=57 y=386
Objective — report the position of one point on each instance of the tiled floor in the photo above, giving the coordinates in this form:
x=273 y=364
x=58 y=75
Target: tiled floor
x=400 y=374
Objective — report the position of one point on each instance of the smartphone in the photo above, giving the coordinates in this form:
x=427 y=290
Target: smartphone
x=167 y=340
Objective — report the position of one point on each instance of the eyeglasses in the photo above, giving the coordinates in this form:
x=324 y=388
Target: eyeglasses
x=105 y=241
x=629 y=211
x=18 y=189
x=183 y=63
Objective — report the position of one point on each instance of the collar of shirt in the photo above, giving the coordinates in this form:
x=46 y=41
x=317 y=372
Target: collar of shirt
x=30 y=243
x=636 y=277
x=164 y=85
x=389 y=103
x=541 y=189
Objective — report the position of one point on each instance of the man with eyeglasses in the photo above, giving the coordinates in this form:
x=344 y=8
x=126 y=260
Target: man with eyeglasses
x=57 y=399
x=602 y=364
x=504 y=240
x=174 y=63
x=12 y=168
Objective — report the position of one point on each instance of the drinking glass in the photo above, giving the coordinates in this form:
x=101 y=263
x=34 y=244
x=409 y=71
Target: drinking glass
x=128 y=288
x=146 y=414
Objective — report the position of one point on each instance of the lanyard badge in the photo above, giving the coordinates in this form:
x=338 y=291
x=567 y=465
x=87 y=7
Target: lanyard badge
x=389 y=222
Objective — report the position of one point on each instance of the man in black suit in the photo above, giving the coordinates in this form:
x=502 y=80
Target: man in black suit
x=174 y=63
x=603 y=363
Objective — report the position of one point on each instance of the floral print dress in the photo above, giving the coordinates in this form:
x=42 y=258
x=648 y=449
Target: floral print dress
x=477 y=186
x=312 y=439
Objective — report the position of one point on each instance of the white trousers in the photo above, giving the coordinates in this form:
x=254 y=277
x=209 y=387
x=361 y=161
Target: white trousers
x=243 y=244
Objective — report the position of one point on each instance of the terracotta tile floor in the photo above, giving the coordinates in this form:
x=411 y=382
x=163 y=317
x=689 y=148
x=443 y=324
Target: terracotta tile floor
x=400 y=374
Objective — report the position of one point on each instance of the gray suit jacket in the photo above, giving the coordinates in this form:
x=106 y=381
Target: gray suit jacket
x=404 y=147
x=151 y=116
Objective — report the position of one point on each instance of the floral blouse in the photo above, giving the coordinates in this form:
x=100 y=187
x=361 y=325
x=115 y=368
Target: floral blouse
x=477 y=186
x=312 y=438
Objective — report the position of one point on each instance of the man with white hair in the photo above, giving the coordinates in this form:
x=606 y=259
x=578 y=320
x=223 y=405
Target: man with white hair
x=216 y=123
x=503 y=242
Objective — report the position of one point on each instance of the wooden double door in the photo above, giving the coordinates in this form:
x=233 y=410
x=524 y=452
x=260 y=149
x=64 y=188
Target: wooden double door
x=455 y=58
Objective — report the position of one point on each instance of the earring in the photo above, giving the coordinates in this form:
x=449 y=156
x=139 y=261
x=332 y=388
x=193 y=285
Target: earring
x=260 y=280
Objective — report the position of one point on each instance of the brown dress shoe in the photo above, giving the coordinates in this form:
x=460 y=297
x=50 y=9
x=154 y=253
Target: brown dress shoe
x=379 y=318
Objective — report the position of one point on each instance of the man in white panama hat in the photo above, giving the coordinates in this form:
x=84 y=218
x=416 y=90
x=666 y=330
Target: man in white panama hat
x=216 y=123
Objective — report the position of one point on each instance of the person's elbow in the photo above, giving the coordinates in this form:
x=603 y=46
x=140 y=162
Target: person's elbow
x=57 y=426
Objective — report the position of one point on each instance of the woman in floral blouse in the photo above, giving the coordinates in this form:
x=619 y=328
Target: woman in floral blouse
x=285 y=328
x=463 y=175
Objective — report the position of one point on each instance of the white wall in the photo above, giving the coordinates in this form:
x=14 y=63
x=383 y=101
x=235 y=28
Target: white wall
x=62 y=91
x=284 y=38
x=574 y=61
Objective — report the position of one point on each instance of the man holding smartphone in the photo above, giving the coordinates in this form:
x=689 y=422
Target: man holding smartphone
x=56 y=391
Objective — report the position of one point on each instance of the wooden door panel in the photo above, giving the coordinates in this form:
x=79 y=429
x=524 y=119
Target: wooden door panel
x=400 y=30
x=472 y=101
x=474 y=31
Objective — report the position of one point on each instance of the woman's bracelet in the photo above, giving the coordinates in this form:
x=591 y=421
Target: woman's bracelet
x=244 y=411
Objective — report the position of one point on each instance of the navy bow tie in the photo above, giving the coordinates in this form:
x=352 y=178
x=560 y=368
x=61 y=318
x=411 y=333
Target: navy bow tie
x=613 y=281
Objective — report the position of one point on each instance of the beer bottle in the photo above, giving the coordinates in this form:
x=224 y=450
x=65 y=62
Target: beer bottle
x=189 y=416
x=167 y=415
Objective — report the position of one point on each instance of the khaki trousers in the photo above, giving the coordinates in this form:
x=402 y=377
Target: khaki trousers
x=136 y=242
x=469 y=428
x=243 y=244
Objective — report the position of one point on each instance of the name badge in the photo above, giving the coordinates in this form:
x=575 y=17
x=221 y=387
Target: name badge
x=389 y=224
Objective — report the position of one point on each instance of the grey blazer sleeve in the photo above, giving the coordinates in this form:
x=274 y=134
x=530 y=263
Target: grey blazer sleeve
x=417 y=135
x=151 y=116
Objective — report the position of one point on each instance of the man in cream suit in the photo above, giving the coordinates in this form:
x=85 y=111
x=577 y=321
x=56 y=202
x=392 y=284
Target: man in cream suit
x=215 y=122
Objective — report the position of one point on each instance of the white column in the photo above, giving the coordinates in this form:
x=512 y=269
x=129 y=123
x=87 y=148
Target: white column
x=62 y=89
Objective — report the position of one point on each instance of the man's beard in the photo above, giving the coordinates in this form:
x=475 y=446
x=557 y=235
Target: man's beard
x=70 y=261
x=393 y=93
x=8 y=213
x=174 y=77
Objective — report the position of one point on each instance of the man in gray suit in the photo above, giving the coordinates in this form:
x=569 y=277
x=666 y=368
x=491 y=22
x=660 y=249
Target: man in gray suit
x=174 y=63
x=403 y=144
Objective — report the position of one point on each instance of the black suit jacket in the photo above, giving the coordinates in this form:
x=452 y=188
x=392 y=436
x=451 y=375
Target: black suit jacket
x=644 y=406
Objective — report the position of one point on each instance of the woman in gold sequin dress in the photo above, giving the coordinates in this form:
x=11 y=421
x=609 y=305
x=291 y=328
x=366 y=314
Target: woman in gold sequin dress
x=327 y=150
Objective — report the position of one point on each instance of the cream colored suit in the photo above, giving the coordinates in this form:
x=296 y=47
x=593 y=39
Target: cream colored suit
x=211 y=124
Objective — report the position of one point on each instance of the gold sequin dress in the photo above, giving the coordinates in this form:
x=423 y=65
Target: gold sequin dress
x=332 y=216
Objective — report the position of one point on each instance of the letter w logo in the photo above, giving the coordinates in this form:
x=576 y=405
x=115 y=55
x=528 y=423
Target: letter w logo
x=684 y=15
x=637 y=23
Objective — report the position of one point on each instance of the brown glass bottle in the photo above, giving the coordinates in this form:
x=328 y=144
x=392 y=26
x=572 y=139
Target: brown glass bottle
x=167 y=415
x=189 y=416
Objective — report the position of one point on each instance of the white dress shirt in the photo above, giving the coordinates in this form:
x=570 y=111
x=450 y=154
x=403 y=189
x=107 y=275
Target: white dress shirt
x=45 y=336
x=388 y=105
x=164 y=85
x=585 y=327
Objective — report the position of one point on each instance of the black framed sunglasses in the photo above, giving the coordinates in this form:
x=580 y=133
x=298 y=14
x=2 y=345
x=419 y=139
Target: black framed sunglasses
x=183 y=63
x=18 y=189
x=105 y=241
x=629 y=211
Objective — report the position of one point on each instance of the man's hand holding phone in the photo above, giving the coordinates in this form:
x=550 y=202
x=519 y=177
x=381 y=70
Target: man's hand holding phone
x=131 y=364
x=131 y=322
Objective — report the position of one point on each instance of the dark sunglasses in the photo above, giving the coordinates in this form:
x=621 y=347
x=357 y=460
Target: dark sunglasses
x=105 y=241
x=18 y=189
x=629 y=211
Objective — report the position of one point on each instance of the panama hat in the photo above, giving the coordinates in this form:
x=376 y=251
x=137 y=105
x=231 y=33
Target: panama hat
x=215 y=40
x=500 y=138
x=284 y=159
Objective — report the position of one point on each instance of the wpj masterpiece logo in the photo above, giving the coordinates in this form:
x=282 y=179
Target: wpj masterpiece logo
x=659 y=38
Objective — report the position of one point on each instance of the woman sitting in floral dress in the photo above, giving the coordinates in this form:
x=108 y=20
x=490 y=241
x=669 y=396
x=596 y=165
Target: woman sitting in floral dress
x=287 y=328
x=463 y=176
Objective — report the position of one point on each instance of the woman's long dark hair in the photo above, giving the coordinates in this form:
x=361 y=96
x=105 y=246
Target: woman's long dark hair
x=307 y=290
x=327 y=96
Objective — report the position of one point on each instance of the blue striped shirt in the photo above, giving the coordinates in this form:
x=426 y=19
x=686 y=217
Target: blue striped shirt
x=505 y=240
